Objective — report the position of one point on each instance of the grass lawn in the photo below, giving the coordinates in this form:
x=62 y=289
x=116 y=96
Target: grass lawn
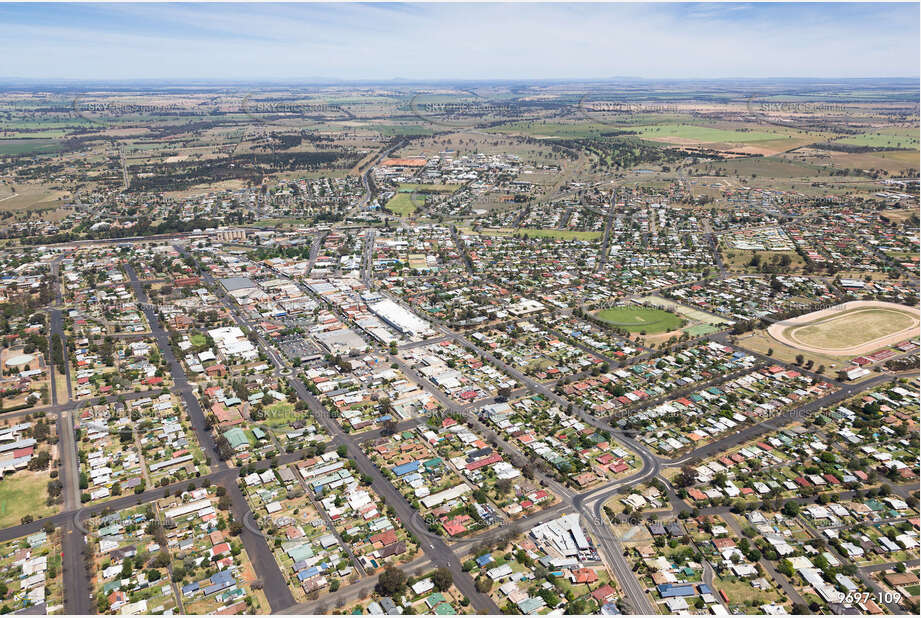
x=637 y=319
x=279 y=416
x=850 y=328
x=198 y=340
x=281 y=410
x=741 y=592
x=60 y=384
x=538 y=364
x=21 y=494
x=403 y=204
x=902 y=255
x=287 y=221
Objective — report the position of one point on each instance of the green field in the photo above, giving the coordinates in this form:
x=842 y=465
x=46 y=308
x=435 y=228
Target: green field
x=410 y=196
x=705 y=134
x=891 y=138
x=402 y=204
x=23 y=493
x=198 y=340
x=637 y=319
x=29 y=146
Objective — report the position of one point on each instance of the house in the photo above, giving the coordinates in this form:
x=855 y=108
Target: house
x=237 y=439
x=667 y=591
x=583 y=576
x=604 y=594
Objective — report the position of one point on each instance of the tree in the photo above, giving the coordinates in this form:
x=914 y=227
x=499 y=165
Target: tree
x=162 y=560
x=442 y=579
x=390 y=581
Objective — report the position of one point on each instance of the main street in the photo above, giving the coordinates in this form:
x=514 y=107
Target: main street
x=436 y=549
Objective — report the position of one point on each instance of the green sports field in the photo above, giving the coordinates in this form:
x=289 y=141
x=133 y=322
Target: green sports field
x=637 y=319
x=403 y=204
x=411 y=196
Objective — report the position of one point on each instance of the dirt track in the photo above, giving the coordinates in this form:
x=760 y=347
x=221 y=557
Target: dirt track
x=777 y=330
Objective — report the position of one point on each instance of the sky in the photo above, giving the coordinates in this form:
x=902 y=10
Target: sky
x=373 y=42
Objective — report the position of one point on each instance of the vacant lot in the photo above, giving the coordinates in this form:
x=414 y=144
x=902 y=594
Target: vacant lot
x=741 y=259
x=641 y=319
x=22 y=494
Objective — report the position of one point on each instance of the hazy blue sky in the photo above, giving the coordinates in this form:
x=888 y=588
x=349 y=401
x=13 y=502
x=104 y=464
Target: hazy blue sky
x=460 y=41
